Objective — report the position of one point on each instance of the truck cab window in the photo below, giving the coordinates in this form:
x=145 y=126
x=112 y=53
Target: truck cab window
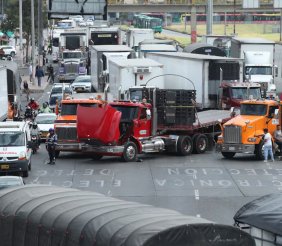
x=143 y=114
x=271 y=112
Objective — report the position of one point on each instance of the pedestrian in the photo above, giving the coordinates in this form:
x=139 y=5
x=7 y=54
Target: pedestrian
x=30 y=72
x=267 y=145
x=50 y=70
x=39 y=74
x=51 y=142
x=278 y=139
x=26 y=89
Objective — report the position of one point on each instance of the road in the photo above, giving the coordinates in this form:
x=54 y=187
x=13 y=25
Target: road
x=204 y=185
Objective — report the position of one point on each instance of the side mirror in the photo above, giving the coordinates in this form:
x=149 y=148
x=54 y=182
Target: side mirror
x=148 y=114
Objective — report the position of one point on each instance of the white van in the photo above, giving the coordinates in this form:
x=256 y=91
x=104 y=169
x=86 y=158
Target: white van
x=15 y=152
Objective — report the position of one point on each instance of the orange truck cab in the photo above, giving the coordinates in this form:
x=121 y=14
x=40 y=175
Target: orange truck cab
x=65 y=124
x=244 y=132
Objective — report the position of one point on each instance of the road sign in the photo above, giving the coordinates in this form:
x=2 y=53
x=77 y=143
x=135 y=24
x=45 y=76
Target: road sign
x=249 y=4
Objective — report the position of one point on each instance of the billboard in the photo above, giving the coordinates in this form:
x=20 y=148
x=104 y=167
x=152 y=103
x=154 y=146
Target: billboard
x=248 y=4
x=77 y=7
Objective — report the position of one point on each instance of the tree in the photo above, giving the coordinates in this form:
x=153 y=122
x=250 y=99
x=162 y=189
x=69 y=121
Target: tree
x=12 y=20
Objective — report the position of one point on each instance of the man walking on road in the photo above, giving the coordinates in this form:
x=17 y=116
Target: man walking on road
x=30 y=72
x=39 y=74
x=267 y=145
x=51 y=142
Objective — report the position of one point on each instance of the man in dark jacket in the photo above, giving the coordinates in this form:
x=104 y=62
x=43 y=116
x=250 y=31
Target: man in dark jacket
x=51 y=143
x=39 y=74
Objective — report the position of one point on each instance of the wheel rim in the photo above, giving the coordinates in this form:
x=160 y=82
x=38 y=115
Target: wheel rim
x=130 y=152
x=187 y=145
x=202 y=144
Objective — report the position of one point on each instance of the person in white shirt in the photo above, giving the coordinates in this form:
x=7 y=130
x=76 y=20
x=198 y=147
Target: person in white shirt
x=267 y=145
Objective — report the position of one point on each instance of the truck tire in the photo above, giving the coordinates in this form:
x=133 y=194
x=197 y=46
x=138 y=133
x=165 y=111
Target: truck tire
x=57 y=153
x=200 y=144
x=228 y=155
x=184 y=145
x=129 y=152
x=96 y=157
x=259 y=152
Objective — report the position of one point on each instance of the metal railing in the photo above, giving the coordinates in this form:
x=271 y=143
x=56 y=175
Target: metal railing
x=186 y=2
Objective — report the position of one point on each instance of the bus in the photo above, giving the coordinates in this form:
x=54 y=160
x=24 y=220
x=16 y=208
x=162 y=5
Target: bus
x=166 y=18
x=143 y=21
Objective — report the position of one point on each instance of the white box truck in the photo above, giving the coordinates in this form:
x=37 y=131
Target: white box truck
x=99 y=55
x=3 y=93
x=207 y=74
x=136 y=35
x=258 y=55
x=126 y=73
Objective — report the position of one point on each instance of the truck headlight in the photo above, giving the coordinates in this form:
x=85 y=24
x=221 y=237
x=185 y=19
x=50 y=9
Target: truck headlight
x=22 y=156
x=252 y=140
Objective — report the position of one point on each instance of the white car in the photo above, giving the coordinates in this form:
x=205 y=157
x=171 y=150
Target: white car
x=82 y=83
x=8 y=50
x=89 y=22
x=76 y=18
x=10 y=181
x=45 y=121
x=82 y=23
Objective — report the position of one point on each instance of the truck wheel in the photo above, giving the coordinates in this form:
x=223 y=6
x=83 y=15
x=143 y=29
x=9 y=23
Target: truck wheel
x=184 y=145
x=259 y=151
x=228 y=155
x=200 y=144
x=96 y=157
x=57 y=153
x=129 y=152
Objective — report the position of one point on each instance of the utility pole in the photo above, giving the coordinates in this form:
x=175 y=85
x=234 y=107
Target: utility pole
x=21 y=30
x=40 y=29
x=234 y=19
x=209 y=17
x=32 y=39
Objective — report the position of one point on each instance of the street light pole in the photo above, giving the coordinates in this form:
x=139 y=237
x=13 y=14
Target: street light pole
x=234 y=26
x=21 y=29
x=32 y=40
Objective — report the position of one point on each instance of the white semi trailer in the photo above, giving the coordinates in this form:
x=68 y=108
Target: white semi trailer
x=206 y=74
x=258 y=55
x=126 y=73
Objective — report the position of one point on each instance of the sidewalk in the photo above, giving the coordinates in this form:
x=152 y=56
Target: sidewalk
x=34 y=88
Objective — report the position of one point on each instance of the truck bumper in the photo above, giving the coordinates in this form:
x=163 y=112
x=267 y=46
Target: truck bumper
x=237 y=148
x=67 y=77
x=103 y=150
x=76 y=147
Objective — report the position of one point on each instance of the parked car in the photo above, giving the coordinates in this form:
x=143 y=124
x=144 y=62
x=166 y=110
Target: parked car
x=10 y=181
x=82 y=83
x=45 y=121
x=8 y=50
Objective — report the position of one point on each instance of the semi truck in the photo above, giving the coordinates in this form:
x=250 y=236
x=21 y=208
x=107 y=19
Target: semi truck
x=126 y=73
x=154 y=120
x=73 y=39
x=99 y=55
x=72 y=64
x=65 y=124
x=258 y=55
x=244 y=133
x=211 y=75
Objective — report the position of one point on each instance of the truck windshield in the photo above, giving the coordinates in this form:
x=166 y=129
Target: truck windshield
x=127 y=113
x=253 y=109
x=12 y=139
x=70 y=108
x=258 y=70
x=69 y=55
x=244 y=93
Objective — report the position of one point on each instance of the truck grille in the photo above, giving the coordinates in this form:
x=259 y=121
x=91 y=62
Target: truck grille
x=71 y=68
x=232 y=134
x=66 y=133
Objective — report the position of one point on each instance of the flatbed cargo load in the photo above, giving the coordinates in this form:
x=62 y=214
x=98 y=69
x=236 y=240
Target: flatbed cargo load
x=262 y=218
x=48 y=215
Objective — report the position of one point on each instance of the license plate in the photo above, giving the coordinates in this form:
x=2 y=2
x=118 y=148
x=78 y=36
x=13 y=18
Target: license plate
x=231 y=148
x=4 y=167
